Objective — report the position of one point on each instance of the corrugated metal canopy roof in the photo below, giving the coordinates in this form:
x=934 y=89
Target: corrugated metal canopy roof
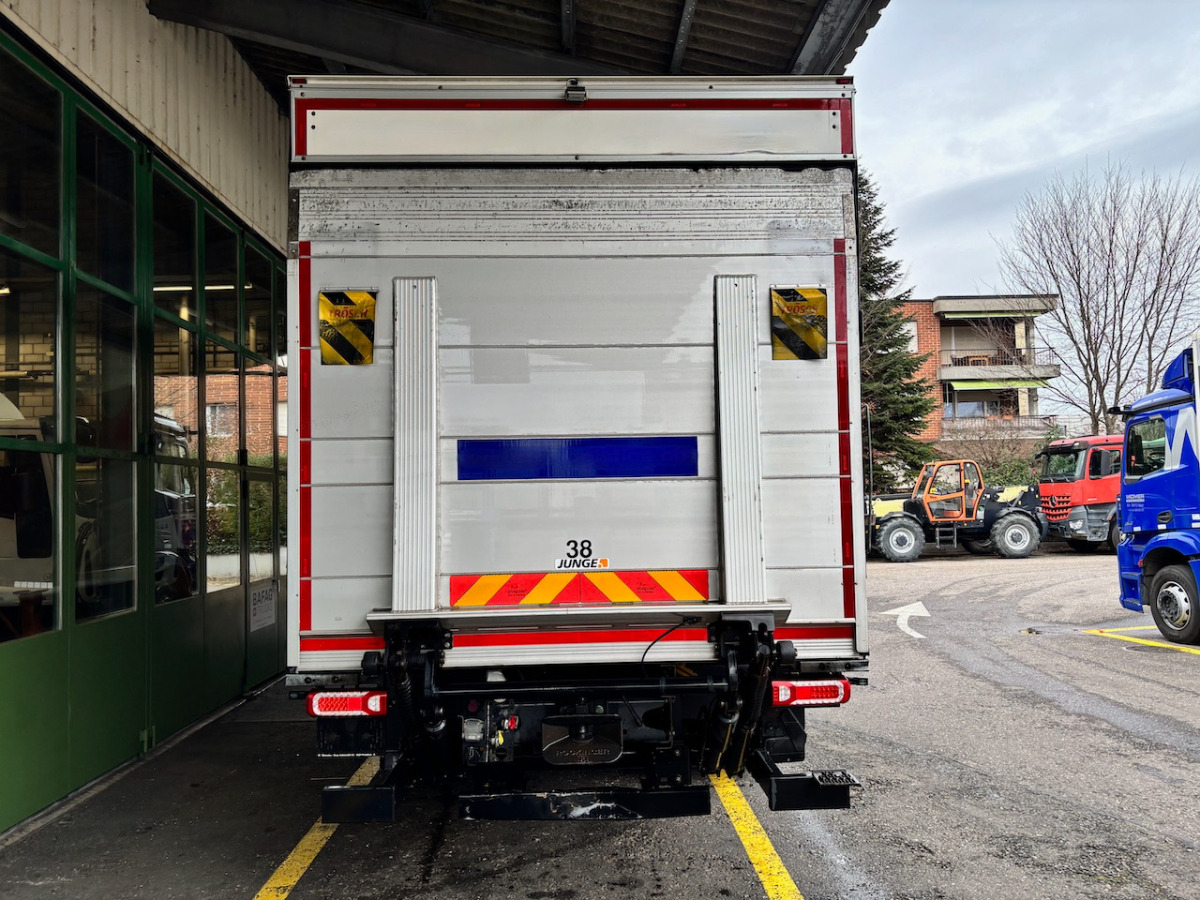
x=534 y=37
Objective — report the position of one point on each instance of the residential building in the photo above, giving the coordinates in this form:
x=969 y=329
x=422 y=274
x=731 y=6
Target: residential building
x=983 y=364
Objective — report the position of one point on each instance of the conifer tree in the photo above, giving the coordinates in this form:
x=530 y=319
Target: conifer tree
x=896 y=401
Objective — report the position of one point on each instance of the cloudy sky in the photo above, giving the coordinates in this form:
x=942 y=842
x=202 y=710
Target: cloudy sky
x=964 y=106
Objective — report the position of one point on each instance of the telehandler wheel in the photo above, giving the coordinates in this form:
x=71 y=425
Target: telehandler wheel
x=1015 y=537
x=1173 y=602
x=901 y=540
x=979 y=548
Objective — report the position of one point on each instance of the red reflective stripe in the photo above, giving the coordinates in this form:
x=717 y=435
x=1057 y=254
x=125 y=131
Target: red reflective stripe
x=305 y=531
x=303 y=106
x=848 y=520
x=304 y=289
x=306 y=462
x=814 y=632
x=613 y=636
x=846 y=495
x=319 y=645
x=305 y=605
x=303 y=365
x=847 y=127
x=300 y=133
x=849 y=591
x=607 y=636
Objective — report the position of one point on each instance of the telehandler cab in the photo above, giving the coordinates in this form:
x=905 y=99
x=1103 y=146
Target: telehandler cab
x=950 y=506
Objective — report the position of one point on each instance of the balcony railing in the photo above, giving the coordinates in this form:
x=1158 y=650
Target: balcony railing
x=1002 y=356
x=1013 y=425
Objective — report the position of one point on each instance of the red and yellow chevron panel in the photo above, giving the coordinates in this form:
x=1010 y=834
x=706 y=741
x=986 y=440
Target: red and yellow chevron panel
x=539 y=589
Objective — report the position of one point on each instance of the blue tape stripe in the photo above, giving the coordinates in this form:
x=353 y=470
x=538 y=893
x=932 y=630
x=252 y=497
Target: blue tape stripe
x=602 y=457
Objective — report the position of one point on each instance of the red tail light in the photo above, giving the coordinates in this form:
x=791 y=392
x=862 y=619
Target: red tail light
x=825 y=692
x=347 y=703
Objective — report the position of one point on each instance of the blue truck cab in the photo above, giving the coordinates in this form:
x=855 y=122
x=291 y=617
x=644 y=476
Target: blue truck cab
x=1159 y=553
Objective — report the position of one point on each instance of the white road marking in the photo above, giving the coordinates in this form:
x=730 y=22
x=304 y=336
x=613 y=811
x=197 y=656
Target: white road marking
x=904 y=613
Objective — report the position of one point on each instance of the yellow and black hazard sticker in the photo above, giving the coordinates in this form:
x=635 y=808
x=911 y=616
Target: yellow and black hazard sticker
x=799 y=328
x=347 y=327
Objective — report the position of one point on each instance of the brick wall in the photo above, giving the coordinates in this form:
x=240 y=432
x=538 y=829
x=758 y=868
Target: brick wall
x=30 y=346
x=929 y=341
x=175 y=396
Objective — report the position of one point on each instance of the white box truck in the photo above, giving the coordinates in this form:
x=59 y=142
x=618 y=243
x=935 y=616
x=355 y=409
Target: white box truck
x=574 y=483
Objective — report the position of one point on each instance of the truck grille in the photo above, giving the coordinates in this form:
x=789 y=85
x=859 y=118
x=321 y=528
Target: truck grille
x=1056 y=508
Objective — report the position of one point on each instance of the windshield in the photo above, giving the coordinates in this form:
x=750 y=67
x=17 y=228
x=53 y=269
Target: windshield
x=1062 y=465
x=922 y=481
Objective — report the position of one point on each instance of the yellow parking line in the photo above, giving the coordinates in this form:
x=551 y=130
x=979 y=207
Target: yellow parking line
x=1123 y=637
x=1131 y=628
x=771 y=871
x=292 y=869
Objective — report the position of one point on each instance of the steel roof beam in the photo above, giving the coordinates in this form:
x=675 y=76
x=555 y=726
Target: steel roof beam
x=834 y=33
x=681 y=36
x=369 y=38
x=568 y=26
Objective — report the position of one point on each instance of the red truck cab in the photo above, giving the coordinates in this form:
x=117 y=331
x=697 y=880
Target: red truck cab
x=1079 y=482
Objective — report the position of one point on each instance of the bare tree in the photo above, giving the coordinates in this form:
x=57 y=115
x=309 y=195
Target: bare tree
x=1123 y=256
x=1002 y=447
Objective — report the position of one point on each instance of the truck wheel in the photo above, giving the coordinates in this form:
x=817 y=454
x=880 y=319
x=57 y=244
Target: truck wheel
x=979 y=548
x=901 y=540
x=1173 y=603
x=1015 y=537
x=1114 y=536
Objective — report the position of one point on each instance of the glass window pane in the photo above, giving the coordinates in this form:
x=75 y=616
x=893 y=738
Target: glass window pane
x=28 y=337
x=174 y=250
x=256 y=298
x=28 y=530
x=104 y=361
x=262 y=531
x=176 y=388
x=1147 y=442
x=174 y=531
x=260 y=415
x=222 y=404
x=280 y=320
x=283 y=519
x=222 y=545
x=104 y=208
x=220 y=279
x=30 y=154
x=105 y=537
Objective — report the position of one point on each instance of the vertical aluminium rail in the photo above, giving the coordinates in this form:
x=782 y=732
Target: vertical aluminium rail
x=739 y=441
x=415 y=426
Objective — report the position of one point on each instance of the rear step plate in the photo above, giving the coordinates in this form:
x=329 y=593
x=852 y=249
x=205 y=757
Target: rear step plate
x=821 y=789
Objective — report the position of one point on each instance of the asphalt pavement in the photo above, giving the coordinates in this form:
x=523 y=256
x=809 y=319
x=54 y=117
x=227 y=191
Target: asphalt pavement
x=1022 y=736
